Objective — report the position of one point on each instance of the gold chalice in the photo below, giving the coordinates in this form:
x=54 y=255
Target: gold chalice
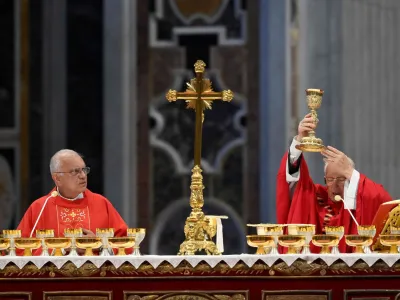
x=270 y=229
x=368 y=230
x=105 y=234
x=12 y=234
x=325 y=241
x=121 y=243
x=88 y=243
x=391 y=240
x=335 y=230
x=308 y=230
x=358 y=241
x=27 y=244
x=138 y=234
x=42 y=234
x=57 y=243
x=260 y=241
x=292 y=242
x=73 y=233
x=311 y=143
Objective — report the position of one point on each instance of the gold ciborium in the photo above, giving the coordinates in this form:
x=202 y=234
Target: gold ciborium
x=339 y=232
x=27 y=244
x=42 y=234
x=292 y=242
x=121 y=243
x=12 y=234
x=311 y=143
x=325 y=241
x=73 y=233
x=358 y=241
x=57 y=243
x=261 y=242
x=4 y=244
x=391 y=240
x=308 y=230
x=368 y=230
x=274 y=230
x=138 y=234
x=105 y=234
x=88 y=243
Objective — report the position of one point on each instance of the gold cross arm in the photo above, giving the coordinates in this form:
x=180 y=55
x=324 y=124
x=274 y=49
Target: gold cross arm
x=225 y=95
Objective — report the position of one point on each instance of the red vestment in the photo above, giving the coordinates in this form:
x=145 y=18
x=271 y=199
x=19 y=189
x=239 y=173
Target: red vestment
x=90 y=212
x=310 y=204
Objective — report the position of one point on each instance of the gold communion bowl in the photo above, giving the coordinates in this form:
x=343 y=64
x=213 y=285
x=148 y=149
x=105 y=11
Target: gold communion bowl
x=292 y=242
x=368 y=230
x=121 y=243
x=88 y=243
x=266 y=229
x=4 y=243
x=358 y=241
x=57 y=243
x=260 y=241
x=308 y=230
x=325 y=241
x=27 y=244
x=391 y=240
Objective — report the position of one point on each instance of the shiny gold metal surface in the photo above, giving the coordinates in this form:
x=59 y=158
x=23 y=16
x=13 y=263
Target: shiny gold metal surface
x=57 y=243
x=88 y=243
x=199 y=96
x=325 y=241
x=392 y=241
x=121 y=243
x=311 y=143
x=27 y=244
x=358 y=241
x=260 y=242
x=292 y=242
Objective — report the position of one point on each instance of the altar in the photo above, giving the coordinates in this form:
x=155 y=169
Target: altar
x=225 y=277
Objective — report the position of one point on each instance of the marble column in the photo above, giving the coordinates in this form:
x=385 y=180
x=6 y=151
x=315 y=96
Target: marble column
x=273 y=95
x=371 y=45
x=120 y=77
x=54 y=68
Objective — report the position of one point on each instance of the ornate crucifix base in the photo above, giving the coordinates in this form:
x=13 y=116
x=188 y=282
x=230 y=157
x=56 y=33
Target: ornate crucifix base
x=198 y=229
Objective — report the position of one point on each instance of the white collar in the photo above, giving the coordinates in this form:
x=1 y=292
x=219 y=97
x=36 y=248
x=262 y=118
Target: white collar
x=80 y=196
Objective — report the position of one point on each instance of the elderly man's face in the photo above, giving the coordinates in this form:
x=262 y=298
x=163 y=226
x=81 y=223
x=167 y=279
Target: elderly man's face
x=71 y=178
x=334 y=181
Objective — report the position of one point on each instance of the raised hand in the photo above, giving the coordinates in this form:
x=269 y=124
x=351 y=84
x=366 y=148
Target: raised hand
x=338 y=161
x=305 y=125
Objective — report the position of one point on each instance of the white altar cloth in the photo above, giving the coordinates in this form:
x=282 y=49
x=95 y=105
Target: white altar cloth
x=231 y=260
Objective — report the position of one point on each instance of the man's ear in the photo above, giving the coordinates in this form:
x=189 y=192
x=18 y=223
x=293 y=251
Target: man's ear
x=56 y=178
x=325 y=179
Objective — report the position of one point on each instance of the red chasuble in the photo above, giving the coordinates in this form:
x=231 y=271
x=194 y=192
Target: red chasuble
x=310 y=204
x=91 y=212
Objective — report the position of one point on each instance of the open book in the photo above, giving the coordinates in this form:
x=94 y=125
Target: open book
x=382 y=216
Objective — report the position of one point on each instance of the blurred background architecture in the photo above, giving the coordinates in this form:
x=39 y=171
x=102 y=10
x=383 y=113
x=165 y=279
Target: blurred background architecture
x=91 y=75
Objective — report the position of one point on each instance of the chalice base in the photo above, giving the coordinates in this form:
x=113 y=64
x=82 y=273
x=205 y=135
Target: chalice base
x=105 y=252
x=311 y=144
x=190 y=247
x=45 y=252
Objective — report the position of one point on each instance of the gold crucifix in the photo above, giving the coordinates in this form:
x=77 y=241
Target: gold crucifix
x=199 y=96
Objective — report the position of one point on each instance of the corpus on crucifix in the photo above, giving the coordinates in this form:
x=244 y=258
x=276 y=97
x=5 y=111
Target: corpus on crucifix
x=199 y=229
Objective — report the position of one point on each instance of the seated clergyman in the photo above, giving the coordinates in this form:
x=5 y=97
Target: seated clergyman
x=300 y=201
x=75 y=206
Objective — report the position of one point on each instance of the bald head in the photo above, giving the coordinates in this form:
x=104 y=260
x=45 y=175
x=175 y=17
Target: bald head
x=348 y=158
x=59 y=156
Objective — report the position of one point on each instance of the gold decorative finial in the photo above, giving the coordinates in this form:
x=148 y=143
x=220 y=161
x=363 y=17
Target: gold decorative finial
x=171 y=95
x=199 y=66
x=227 y=95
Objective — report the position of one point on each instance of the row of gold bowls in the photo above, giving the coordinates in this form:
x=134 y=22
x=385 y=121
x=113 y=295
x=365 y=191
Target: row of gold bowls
x=73 y=239
x=299 y=236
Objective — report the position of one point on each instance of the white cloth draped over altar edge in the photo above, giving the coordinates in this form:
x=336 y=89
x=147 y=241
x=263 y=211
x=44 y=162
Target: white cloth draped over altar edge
x=212 y=261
